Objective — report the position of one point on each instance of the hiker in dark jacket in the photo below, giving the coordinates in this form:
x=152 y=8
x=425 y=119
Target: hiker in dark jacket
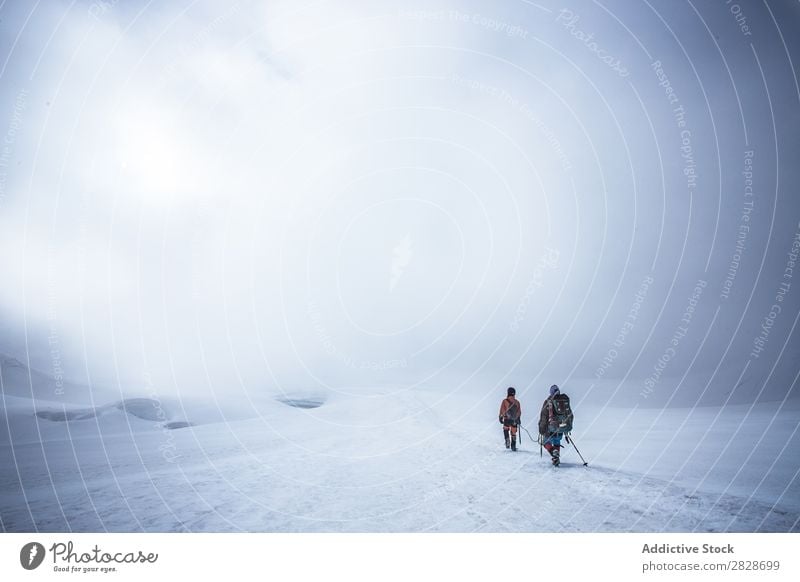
x=552 y=425
x=510 y=417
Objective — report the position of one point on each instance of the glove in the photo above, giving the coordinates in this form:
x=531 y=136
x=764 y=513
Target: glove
x=500 y=418
x=519 y=421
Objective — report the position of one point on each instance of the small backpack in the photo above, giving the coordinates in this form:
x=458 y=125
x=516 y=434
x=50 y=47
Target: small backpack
x=559 y=414
x=513 y=411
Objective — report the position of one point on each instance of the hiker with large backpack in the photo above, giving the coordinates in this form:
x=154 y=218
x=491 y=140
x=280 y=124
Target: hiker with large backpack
x=510 y=417
x=555 y=421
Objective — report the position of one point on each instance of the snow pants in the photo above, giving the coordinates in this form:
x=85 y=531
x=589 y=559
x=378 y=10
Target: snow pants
x=553 y=440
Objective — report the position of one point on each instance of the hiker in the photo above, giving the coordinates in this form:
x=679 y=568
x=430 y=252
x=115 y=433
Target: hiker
x=555 y=421
x=510 y=417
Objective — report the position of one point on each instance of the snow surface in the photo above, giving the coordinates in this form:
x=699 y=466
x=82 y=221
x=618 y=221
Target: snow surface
x=397 y=460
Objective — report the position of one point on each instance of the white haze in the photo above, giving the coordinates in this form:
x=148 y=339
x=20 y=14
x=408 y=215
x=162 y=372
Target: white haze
x=241 y=199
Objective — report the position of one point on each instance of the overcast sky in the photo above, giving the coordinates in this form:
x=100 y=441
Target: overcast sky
x=252 y=197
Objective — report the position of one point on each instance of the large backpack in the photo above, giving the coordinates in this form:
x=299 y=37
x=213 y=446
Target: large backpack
x=559 y=414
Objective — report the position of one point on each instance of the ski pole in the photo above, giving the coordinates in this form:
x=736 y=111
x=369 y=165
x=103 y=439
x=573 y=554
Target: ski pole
x=572 y=442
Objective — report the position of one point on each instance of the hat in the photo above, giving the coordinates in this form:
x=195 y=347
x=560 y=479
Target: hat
x=554 y=390
x=511 y=391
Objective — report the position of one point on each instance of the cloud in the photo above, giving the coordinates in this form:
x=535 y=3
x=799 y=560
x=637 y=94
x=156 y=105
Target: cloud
x=244 y=198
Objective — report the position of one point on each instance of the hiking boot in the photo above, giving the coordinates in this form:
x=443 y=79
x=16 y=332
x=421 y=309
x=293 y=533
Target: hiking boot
x=513 y=443
x=508 y=443
x=505 y=436
x=556 y=457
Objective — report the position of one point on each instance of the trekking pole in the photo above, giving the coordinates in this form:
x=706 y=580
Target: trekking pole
x=572 y=442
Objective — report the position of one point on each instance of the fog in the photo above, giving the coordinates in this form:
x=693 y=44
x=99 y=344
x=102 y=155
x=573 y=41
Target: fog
x=237 y=199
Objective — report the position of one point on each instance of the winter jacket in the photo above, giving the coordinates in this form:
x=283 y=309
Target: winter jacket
x=510 y=410
x=544 y=416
